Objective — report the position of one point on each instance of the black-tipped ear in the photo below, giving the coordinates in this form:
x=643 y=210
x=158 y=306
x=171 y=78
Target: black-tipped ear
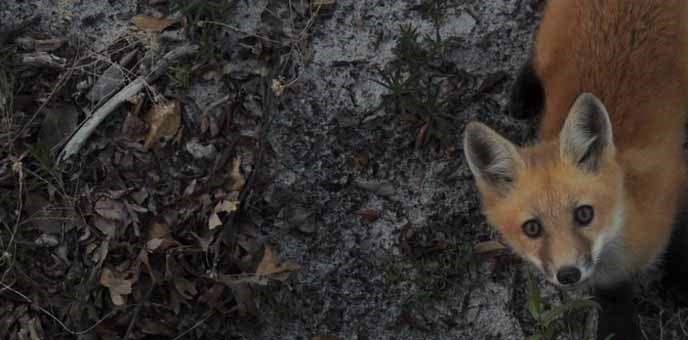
x=587 y=133
x=491 y=157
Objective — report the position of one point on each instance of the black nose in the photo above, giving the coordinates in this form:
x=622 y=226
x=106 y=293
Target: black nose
x=568 y=275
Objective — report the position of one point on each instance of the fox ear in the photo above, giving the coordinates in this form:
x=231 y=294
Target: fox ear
x=491 y=157
x=587 y=133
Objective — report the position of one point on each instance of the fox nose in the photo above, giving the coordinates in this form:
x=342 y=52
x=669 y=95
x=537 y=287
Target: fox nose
x=568 y=275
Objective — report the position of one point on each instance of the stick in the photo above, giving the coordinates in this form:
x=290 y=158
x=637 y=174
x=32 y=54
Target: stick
x=42 y=59
x=89 y=125
x=137 y=310
x=270 y=106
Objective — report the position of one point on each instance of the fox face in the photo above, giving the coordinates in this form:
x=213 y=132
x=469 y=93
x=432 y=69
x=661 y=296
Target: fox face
x=559 y=204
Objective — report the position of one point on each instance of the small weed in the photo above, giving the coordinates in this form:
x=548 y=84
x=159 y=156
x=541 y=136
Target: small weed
x=417 y=82
x=43 y=174
x=554 y=321
x=436 y=10
x=433 y=273
x=181 y=75
x=196 y=11
x=7 y=88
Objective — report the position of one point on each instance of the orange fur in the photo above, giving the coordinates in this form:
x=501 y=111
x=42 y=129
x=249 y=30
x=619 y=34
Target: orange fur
x=633 y=56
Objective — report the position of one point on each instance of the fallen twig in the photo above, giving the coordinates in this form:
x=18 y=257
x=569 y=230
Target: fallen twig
x=89 y=125
x=200 y=322
x=42 y=59
x=40 y=45
x=270 y=106
x=136 y=313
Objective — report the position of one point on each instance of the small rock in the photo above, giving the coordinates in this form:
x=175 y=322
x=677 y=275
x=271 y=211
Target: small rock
x=465 y=24
x=380 y=188
x=198 y=151
x=172 y=36
x=47 y=240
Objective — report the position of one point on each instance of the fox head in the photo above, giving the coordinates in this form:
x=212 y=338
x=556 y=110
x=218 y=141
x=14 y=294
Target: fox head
x=559 y=203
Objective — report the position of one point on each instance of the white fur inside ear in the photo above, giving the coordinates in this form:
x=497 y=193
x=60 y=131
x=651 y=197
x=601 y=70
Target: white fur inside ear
x=587 y=132
x=579 y=143
x=502 y=164
x=490 y=156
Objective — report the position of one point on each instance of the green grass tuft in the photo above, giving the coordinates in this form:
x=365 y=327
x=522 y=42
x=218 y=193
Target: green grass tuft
x=195 y=12
x=417 y=83
x=553 y=321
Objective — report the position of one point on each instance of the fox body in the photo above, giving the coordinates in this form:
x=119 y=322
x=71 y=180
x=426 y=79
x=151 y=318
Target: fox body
x=595 y=200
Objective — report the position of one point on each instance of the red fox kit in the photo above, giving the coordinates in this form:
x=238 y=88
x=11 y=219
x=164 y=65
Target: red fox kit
x=595 y=201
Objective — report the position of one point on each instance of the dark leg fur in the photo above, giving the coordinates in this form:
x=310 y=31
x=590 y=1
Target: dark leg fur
x=675 y=264
x=526 y=99
x=618 y=315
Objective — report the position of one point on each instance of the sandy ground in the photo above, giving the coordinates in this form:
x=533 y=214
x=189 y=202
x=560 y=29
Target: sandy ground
x=350 y=287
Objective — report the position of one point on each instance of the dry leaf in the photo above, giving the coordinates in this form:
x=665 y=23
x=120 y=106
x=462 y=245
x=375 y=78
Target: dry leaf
x=214 y=221
x=100 y=252
x=164 y=120
x=269 y=266
x=360 y=160
x=213 y=297
x=244 y=297
x=140 y=195
x=36 y=329
x=118 y=287
x=369 y=215
x=422 y=135
x=227 y=206
x=247 y=242
x=278 y=87
x=134 y=128
x=185 y=288
x=151 y=24
x=111 y=209
x=154 y=244
x=487 y=247
x=160 y=237
x=268 y=269
x=237 y=178
x=158 y=230
x=190 y=188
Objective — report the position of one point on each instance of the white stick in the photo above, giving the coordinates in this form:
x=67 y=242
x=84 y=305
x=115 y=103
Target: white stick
x=89 y=125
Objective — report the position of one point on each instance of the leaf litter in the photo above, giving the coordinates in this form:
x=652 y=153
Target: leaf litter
x=146 y=221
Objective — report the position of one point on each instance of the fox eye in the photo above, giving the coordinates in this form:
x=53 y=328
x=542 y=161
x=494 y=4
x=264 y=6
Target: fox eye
x=532 y=228
x=583 y=215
